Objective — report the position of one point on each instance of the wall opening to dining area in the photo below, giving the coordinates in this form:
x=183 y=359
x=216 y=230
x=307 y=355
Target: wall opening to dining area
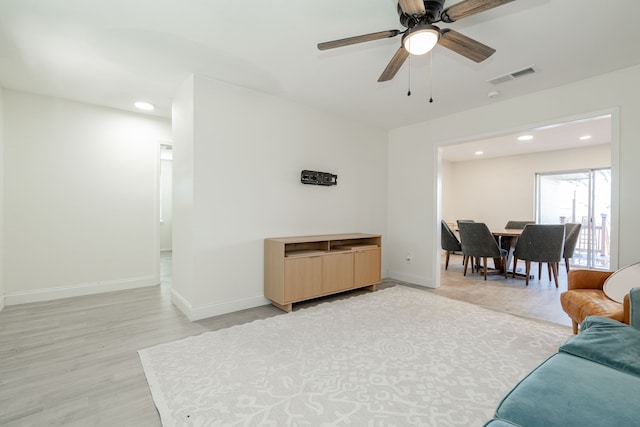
x=493 y=179
x=494 y=189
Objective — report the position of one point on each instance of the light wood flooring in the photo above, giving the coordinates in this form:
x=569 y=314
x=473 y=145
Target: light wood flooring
x=74 y=362
x=539 y=300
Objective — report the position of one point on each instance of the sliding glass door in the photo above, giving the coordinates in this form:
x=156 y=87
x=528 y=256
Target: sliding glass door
x=583 y=197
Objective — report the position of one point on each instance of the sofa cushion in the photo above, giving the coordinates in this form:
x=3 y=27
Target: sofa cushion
x=568 y=391
x=608 y=342
x=634 y=307
x=499 y=423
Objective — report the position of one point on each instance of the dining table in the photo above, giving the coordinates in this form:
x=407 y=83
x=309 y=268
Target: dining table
x=507 y=239
x=509 y=232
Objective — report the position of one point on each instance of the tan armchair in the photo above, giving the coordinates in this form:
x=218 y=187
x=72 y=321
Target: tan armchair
x=585 y=297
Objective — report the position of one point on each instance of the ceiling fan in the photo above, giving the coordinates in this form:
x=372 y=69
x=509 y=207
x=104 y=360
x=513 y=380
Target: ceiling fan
x=420 y=36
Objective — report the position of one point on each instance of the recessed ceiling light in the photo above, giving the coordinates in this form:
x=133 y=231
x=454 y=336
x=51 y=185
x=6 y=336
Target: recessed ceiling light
x=525 y=137
x=585 y=137
x=479 y=153
x=142 y=105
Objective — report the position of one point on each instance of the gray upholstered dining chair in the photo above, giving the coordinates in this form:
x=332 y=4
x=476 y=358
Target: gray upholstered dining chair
x=518 y=224
x=541 y=243
x=478 y=242
x=571 y=235
x=474 y=262
x=449 y=242
x=458 y=221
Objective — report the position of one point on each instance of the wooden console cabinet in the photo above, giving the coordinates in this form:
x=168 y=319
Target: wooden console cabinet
x=302 y=268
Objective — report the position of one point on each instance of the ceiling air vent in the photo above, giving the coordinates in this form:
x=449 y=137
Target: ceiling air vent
x=512 y=75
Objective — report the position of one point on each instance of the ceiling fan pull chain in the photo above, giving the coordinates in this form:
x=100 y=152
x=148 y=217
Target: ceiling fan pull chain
x=409 y=91
x=431 y=76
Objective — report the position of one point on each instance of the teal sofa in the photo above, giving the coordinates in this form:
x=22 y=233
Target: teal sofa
x=593 y=380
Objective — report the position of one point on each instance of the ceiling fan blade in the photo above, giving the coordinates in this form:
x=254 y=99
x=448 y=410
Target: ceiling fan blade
x=394 y=65
x=469 y=7
x=465 y=46
x=412 y=7
x=358 y=39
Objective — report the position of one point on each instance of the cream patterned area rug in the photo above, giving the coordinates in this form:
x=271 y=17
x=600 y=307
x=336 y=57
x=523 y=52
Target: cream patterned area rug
x=396 y=357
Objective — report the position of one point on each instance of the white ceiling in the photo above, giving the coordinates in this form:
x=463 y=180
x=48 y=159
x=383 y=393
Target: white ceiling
x=112 y=53
x=559 y=136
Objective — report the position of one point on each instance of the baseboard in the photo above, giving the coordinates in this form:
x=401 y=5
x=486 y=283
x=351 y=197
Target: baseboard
x=211 y=310
x=1 y=302
x=79 y=290
x=181 y=302
x=410 y=278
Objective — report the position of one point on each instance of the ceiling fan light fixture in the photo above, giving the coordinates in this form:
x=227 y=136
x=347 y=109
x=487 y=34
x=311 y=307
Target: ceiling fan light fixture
x=420 y=39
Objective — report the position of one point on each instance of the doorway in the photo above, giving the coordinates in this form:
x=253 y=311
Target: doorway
x=165 y=196
x=166 y=178
x=584 y=197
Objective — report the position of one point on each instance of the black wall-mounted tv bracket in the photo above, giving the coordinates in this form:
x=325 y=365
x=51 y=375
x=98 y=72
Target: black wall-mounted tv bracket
x=318 y=178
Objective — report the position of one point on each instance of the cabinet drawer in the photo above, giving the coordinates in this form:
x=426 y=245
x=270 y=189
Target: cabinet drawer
x=337 y=272
x=367 y=267
x=302 y=278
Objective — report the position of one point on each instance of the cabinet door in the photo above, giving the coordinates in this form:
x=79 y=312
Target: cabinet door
x=337 y=272
x=302 y=278
x=367 y=267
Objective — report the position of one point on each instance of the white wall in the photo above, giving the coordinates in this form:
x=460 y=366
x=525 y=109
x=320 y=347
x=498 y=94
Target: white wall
x=497 y=190
x=447 y=188
x=413 y=211
x=81 y=214
x=182 y=114
x=2 y=298
x=247 y=150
